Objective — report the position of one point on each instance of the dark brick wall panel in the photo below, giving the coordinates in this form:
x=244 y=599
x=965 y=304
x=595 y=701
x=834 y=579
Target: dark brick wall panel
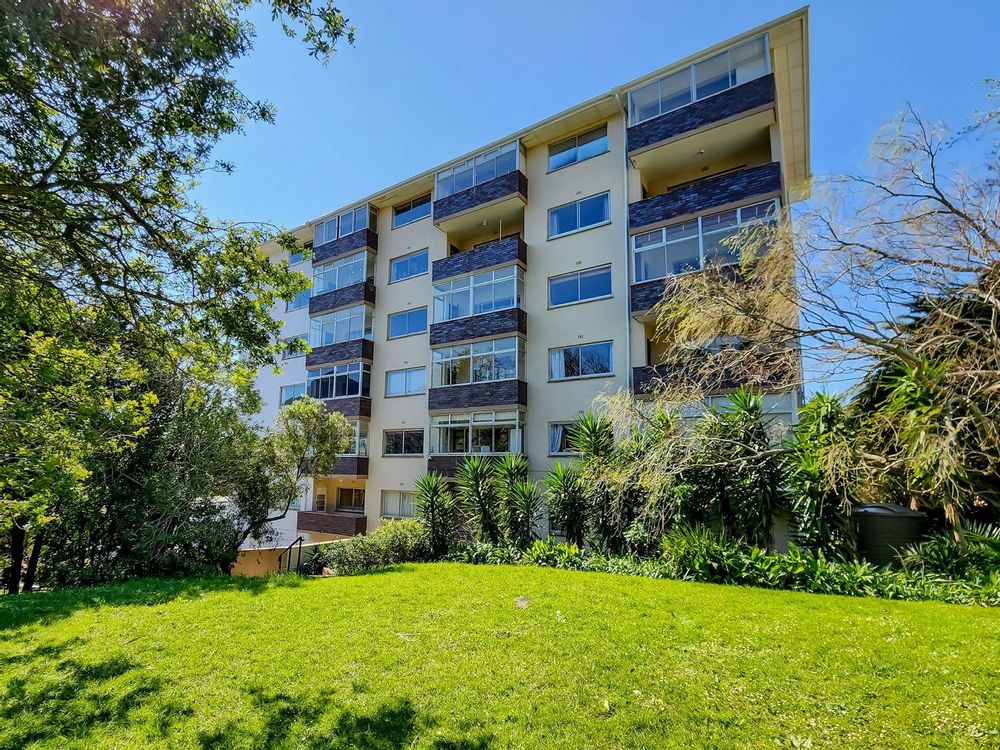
x=342 y=352
x=702 y=195
x=507 y=250
x=503 y=186
x=345 y=245
x=743 y=98
x=448 y=464
x=497 y=323
x=499 y=393
x=351 y=406
x=647 y=294
x=344 y=524
x=363 y=291
x=351 y=466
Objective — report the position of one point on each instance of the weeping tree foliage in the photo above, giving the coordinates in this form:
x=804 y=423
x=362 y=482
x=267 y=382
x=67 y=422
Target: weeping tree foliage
x=887 y=286
x=109 y=112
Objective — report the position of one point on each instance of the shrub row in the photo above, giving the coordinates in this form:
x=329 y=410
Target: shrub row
x=695 y=555
x=391 y=543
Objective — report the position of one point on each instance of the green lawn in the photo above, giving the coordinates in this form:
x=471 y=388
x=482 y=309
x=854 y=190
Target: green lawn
x=453 y=656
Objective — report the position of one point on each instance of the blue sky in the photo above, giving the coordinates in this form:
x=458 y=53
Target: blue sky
x=431 y=80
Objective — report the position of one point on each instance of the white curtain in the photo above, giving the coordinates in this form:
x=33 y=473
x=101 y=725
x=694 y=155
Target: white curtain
x=555 y=437
x=557 y=366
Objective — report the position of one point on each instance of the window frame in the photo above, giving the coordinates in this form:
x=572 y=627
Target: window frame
x=402 y=431
x=412 y=503
x=290 y=302
x=409 y=204
x=390 y=316
x=439 y=361
x=468 y=420
x=365 y=258
x=319 y=322
x=296 y=257
x=289 y=339
x=370 y=214
x=740 y=223
x=692 y=79
x=469 y=283
x=578 y=274
x=342 y=370
x=473 y=162
x=282 y=401
x=406 y=379
x=407 y=257
x=611 y=360
x=354 y=493
x=565 y=426
x=578 y=229
x=576 y=147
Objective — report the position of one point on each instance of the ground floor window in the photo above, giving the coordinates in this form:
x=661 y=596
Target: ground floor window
x=559 y=438
x=397 y=504
x=477 y=432
x=351 y=499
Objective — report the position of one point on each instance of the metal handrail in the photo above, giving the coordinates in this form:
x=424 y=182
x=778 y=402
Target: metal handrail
x=288 y=550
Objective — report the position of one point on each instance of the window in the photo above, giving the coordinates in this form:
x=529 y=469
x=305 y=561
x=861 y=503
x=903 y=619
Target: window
x=297 y=302
x=582 y=214
x=405 y=213
x=290 y=393
x=340 y=381
x=559 y=438
x=403 y=442
x=360 y=445
x=407 y=382
x=578 y=148
x=341 y=325
x=580 y=286
x=483 y=168
x=408 y=266
x=350 y=221
x=732 y=67
x=482 y=293
x=343 y=273
x=580 y=361
x=407 y=323
x=481 y=362
x=296 y=257
x=689 y=245
x=351 y=499
x=289 y=353
x=477 y=432
x=398 y=504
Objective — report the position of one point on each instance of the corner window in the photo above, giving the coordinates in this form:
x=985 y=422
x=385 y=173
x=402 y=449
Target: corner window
x=403 y=442
x=340 y=381
x=407 y=266
x=407 y=323
x=580 y=286
x=347 y=324
x=343 y=273
x=586 y=360
x=581 y=214
x=409 y=382
x=407 y=213
x=290 y=393
x=483 y=168
x=580 y=147
x=289 y=353
x=398 y=504
x=712 y=75
x=344 y=224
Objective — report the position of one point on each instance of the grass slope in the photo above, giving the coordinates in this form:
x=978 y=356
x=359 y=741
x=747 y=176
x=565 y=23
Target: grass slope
x=450 y=656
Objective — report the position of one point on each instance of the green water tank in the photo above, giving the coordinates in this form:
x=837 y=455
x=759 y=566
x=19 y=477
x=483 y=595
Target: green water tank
x=885 y=529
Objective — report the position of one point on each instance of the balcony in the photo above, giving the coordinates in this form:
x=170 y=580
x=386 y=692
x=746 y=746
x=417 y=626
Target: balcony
x=364 y=239
x=350 y=466
x=337 y=522
x=701 y=195
x=486 y=325
x=461 y=215
x=742 y=101
x=363 y=291
x=351 y=407
x=500 y=393
x=497 y=253
x=448 y=463
x=343 y=351
x=775 y=372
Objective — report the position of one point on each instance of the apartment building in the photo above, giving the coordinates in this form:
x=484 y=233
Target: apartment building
x=479 y=307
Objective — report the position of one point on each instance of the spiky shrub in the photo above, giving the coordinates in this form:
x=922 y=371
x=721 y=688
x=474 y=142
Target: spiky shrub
x=524 y=510
x=436 y=508
x=508 y=470
x=567 y=501
x=477 y=497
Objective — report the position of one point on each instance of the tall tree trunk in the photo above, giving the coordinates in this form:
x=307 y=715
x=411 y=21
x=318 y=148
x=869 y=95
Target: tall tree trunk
x=17 y=536
x=36 y=552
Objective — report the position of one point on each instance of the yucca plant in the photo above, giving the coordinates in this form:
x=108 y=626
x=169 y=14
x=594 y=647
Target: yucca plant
x=436 y=508
x=478 y=497
x=523 y=511
x=592 y=437
x=567 y=502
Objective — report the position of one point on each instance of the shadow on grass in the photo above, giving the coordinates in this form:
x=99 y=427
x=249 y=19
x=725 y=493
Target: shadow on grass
x=76 y=699
x=49 y=606
x=291 y=721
